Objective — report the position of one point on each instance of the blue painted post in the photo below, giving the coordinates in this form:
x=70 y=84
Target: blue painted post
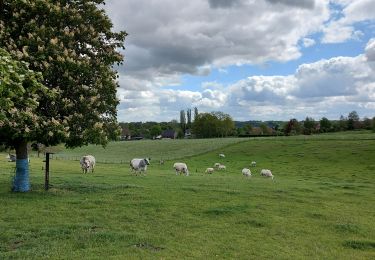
x=21 y=182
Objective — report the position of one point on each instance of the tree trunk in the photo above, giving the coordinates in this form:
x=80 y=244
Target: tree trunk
x=21 y=182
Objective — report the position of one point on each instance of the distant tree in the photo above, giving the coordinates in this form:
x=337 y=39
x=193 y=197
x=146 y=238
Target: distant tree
x=206 y=125
x=353 y=121
x=195 y=113
x=71 y=44
x=343 y=123
x=155 y=130
x=325 y=125
x=228 y=125
x=183 y=120
x=308 y=126
x=367 y=123
x=188 y=115
x=214 y=124
x=180 y=133
x=353 y=116
x=248 y=128
x=264 y=128
x=292 y=127
x=173 y=124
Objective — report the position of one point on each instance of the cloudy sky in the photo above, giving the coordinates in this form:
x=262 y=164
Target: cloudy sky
x=252 y=59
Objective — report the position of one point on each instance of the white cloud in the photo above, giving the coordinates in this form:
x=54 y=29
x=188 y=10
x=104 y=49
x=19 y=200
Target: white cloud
x=370 y=50
x=323 y=88
x=212 y=85
x=175 y=37
x=337 y=32
x=342 y=29
x=307 y=42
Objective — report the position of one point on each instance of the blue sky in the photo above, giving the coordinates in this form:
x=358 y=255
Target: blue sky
x=255 y=60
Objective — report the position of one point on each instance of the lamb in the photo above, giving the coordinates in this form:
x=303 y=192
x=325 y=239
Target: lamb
x=253 y=163
x=246 y=172
x=221 y=155
x=266 y=173
x=216 y=165
x=209 y=170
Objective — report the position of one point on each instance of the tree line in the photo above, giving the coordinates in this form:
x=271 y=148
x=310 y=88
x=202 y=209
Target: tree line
x=324 y=125
x=219 y=124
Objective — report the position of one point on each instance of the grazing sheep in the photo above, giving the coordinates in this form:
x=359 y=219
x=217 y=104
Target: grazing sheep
x=266 y=173
x=11 y=157
x=246 y=172
x=253 y=164
x=222 y=167
x=221 y=155
x=87 y=162
x=216 y=165
x=209 y=170
x=139 y=165
x=181 y=168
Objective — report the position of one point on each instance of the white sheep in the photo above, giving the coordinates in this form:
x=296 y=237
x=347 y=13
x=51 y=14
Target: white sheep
x=209 y=170
x=139 y=165
x=266 y=173
x=221 y=167
x=216 y=165
x=87 y=163
x=221 y=155
x=246 y=172
x=181 y=168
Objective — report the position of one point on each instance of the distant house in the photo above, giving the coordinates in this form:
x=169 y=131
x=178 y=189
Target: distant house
x=170 y=133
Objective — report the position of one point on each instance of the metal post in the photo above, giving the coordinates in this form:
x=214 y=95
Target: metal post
x=46 y=180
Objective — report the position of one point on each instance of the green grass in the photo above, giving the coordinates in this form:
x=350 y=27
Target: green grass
x=319 y=206
x=166 y=149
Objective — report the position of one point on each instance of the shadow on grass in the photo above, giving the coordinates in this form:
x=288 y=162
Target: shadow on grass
x=359 y=244
x=219 y=211
x=252 y=223
x=347 y=228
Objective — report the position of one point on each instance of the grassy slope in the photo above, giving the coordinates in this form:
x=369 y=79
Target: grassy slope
x=320 y=205
x=167 y=149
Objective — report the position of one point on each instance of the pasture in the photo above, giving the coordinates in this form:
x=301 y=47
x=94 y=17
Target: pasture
x=320 y=204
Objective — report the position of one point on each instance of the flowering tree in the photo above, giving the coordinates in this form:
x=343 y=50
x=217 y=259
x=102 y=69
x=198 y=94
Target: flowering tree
x=68 y=91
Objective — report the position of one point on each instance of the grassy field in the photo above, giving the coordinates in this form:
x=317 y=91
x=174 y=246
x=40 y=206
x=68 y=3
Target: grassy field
x=166 y=149
x=319 y=206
